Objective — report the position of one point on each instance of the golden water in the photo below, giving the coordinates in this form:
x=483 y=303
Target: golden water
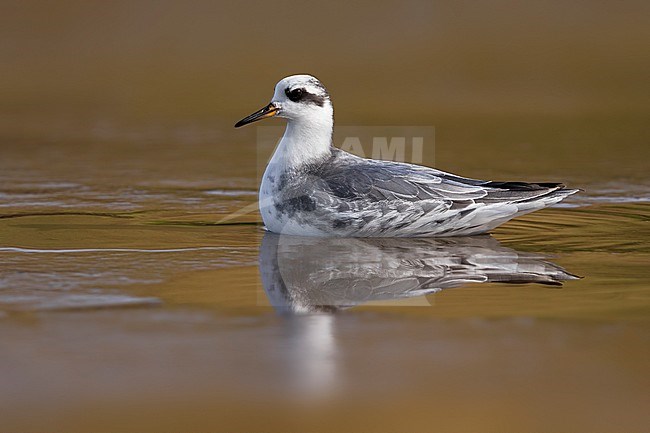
x=124 y=301
x=129 y=302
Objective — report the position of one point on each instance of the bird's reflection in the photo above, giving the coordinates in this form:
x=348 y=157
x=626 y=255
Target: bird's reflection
x=307 y=274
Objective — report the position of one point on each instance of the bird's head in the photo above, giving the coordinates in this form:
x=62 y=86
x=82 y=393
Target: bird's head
x=300 y=98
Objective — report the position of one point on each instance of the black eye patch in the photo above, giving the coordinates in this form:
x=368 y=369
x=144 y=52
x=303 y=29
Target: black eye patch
x=302 y=95
x=296 y=94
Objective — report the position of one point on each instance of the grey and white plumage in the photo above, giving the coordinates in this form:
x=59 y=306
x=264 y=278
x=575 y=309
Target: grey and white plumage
x=312 y=188
x=303 y=274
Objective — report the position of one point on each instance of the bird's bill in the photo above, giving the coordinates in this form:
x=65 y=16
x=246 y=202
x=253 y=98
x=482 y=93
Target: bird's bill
x=268 y=111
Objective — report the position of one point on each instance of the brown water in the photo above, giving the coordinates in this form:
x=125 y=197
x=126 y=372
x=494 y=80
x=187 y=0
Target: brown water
x=131 y=299
x=125 y=305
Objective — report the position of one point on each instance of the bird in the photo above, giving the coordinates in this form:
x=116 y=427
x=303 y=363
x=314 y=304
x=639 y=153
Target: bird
x=311 y=188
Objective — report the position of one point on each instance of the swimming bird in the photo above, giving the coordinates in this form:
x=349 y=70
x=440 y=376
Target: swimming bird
x=311 y=188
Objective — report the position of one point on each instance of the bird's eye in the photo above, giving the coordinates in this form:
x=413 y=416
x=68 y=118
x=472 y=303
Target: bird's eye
x=295 y=95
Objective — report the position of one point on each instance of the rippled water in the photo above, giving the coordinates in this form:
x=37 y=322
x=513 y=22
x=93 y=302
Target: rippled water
x=127 y=292
x=139 y=293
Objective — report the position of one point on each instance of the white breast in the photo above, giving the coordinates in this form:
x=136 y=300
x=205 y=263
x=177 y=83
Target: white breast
x=268 y=190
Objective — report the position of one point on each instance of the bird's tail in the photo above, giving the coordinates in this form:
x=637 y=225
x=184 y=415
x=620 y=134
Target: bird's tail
x=553 y=196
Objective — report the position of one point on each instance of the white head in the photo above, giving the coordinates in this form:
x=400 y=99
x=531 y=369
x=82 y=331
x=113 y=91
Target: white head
x=298 y=98
x=304 y=102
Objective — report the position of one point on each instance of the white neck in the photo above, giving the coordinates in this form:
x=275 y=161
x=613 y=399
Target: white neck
x=305 y=140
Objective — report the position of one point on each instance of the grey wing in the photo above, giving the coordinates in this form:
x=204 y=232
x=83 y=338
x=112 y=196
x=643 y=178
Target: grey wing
x=357 y=178
x=354 y=178
x=380 y=198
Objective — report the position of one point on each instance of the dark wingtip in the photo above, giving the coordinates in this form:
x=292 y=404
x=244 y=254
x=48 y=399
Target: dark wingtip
x=524 y=186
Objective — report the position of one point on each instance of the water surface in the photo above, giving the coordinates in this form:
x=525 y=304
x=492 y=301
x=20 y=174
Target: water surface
x=129 y=300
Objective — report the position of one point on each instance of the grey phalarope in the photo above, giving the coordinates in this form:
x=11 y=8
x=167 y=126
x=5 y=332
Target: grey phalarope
x=311 y=188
